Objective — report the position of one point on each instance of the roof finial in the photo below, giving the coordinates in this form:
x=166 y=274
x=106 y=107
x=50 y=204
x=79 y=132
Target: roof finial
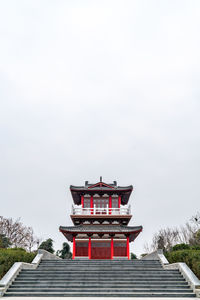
x=100 y=178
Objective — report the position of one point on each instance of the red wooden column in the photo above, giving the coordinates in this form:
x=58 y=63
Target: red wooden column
x=74 y=248
x=89 y=249
x=82 y=201
x=119 y=201
x=91 y=205
x=127 y=247
x=112 y=248
x=110 y=204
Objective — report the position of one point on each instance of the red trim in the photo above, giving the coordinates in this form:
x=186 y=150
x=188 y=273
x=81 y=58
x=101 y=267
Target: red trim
x=91 y=204
x=77 y=232
x=127 y=247
x=100 y=184
x=74 y=247
x=112 y=248
x=119 y=201
x=89 y=249
x=86 y=191
x=82 y=201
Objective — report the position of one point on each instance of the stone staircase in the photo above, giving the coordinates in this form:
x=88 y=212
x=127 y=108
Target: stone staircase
x=100 y=278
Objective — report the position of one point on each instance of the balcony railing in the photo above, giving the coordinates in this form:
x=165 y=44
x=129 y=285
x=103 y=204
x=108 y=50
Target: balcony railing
x=123 y=210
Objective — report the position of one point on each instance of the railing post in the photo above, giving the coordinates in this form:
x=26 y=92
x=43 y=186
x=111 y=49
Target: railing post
x=107 y=209
x=91 y=205
x=82 y=201
x=119 y=201
x=94 y=209
x=110 y=205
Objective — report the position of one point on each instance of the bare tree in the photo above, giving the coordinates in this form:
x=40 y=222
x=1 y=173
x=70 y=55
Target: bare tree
x=196 y=219
x=187 y=234
x=18 y=234
x=166 y=238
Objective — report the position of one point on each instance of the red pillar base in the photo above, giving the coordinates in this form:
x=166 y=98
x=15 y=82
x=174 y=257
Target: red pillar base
x=74 y=248
x=89 y=249
x=127 y=247
x=112 y=248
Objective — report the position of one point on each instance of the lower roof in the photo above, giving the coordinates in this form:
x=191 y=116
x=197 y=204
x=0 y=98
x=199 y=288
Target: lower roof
x=131 y=231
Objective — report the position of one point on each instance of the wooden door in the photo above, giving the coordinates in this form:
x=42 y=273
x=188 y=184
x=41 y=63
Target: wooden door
x=81 y=248
x=120 y=248
x=100 y=249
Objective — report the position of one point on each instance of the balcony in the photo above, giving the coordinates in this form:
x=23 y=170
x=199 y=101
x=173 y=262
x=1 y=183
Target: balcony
x=123 y=210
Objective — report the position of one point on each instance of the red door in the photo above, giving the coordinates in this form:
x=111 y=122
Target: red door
x=100 y=249
x=120 y=248
x=81 y=248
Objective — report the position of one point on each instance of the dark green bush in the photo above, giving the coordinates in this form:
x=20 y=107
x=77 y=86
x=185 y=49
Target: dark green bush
x=190 y=257
x=133 y=256
x=195 y=247
x=180 y=247
x=9 y=256
x=47 y=245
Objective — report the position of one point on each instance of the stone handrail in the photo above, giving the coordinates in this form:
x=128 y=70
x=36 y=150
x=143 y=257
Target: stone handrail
x=187 y=273
x=12 y=273
x=47 y=255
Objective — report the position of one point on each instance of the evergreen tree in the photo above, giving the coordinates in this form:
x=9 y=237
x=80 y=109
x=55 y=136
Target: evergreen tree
x=4 y=241
x=133 y=256
x=47 y=245
x=65 y=252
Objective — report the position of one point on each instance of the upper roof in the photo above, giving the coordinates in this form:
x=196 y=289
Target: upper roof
x=101 y=188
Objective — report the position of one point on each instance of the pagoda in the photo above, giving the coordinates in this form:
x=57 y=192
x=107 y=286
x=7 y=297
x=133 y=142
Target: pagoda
x=100 y=215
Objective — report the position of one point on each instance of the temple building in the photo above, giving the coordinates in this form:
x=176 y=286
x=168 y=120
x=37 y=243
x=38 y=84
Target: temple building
x=100 y=215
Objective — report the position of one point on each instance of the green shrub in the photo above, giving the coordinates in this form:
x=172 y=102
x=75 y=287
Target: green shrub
x=190 y=257
x=47 y=245
x=180 y=247
x=133 y=256
x=195 y=247
x=9 y=256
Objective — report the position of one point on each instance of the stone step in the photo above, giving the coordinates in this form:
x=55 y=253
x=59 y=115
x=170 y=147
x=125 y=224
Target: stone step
x=99 y=271
x=100 y=275
x=155 y=267
x=100 y=268
x=101 y=294
x=122 y=280
x=95 y=261
x=97 y=289
x=89 y=262
x=105 y=276
x=102 y=278
x=99 y=262
x=100 y=284
x=102 y=281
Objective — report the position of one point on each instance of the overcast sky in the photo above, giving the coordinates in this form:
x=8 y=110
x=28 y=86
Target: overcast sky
x=91 y=88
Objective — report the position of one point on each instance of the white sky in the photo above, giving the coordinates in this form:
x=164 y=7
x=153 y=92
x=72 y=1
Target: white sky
x=90 y=88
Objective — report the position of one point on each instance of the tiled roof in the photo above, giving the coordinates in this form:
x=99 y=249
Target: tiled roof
x=101 y=228
x=101 y=188
x=133 y=231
